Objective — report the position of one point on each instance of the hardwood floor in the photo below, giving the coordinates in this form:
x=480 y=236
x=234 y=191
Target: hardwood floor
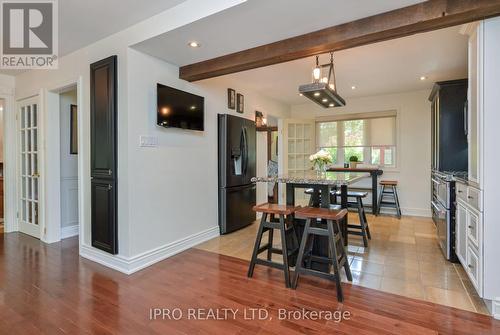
x=403 y=258
x=48 y=289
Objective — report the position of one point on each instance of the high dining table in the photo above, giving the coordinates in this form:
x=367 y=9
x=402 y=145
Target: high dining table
x=320 y=185
x=374 y=173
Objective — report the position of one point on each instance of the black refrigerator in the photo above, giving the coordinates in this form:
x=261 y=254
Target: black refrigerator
x=237 y=166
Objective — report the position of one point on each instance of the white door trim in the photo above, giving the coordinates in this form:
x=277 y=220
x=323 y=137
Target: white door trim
x=10 y=160
x=53 y=215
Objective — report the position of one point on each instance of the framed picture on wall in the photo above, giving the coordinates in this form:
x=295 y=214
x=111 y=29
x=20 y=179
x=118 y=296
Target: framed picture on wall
x=240 y=103
x=231 y=98
x=73 y=136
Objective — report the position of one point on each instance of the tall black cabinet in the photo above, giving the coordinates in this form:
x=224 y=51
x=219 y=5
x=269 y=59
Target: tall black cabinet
x=103 y=114
x=449 y=126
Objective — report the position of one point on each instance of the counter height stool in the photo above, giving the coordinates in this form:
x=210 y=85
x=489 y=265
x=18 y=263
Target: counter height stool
x=392 y=194
x=337 y=252
x=362 y=229
x=284 y=212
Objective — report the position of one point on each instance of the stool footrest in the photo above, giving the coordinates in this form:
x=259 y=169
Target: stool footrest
x=269 y=263
x=359 y=233
x=316 y=273
x=318 y=231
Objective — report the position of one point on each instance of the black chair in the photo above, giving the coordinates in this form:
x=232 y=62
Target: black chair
x=392 y=193
x=283 y=212
x=336 y=251
x=362 y=229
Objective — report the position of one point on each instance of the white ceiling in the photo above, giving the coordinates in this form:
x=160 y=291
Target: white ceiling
x=258 y=22
x=83 y=22
x=386 y=67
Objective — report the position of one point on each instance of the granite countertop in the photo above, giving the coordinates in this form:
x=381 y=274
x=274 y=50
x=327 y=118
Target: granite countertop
x=331 y=178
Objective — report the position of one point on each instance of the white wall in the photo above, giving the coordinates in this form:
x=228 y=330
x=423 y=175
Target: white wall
x=413 y=147
x=74 y=66
x=69 y=167
x=490 y=160
x=173 y=188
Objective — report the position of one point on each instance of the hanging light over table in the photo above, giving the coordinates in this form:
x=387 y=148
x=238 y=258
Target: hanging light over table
x=323 y=89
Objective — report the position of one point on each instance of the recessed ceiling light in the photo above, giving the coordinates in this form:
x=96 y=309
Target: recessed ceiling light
x=301 y=94
x=423 y=78
x=316 y=94
x=331 y=105
x=194 y=44
x=325 y=100
x=353 y=87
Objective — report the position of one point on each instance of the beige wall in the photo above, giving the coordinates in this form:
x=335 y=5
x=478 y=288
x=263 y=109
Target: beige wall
x=413 y=142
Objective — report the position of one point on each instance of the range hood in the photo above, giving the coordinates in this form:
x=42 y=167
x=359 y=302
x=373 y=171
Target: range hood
x=323 y=88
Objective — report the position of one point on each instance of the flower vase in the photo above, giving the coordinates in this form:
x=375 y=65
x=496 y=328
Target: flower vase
x=320 y=168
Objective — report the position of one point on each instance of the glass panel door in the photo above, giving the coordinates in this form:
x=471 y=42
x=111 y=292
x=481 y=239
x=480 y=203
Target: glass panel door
x=299 y=142
x=28 y=116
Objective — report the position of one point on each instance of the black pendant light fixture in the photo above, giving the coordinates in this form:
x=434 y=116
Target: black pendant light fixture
x=323 y=89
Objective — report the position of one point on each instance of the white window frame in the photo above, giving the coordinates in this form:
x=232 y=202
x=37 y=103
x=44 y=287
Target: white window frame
x=367 y=152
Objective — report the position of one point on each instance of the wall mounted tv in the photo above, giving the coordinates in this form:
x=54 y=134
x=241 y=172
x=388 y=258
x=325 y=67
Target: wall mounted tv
x=179 y=109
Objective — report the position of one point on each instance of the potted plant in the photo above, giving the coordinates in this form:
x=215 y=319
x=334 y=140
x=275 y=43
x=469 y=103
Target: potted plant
x=320 y=160
x=353 y=162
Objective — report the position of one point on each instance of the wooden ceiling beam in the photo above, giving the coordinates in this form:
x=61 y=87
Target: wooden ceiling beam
x=422 y=17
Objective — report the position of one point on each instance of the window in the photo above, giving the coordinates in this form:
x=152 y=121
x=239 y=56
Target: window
x=369 y=137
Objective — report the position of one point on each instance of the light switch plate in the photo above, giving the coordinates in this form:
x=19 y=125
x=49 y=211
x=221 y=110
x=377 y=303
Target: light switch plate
x=148 y=141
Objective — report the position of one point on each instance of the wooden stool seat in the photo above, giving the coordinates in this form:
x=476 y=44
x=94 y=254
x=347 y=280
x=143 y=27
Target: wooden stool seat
x=274 y=209
x=389 y=182
x=337 y=254
x=287 y=232
x=352 y=194
x=320 y=213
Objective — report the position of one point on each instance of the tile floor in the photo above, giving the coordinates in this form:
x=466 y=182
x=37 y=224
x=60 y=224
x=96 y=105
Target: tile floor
x=403 y=258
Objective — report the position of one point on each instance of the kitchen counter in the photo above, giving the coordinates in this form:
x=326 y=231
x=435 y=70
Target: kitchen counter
x=330 y=179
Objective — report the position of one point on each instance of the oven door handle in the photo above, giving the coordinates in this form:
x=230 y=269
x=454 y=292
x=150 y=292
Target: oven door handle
x=437 y=208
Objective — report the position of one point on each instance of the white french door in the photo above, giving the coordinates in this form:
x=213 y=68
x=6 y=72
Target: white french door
x=298 y=143
x=28 y=168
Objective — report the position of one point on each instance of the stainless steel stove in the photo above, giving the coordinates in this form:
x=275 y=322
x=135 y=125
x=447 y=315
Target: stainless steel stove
x=444 y=208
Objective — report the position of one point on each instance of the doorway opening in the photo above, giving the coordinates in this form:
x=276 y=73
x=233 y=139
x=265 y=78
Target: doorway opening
x=68 y=116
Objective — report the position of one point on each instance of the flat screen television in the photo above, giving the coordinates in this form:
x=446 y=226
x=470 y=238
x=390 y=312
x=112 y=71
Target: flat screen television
x=179 y=109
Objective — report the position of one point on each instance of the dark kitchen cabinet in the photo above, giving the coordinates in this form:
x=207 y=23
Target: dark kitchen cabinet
x=103 y=118
x=104 y=232
x=449 y=126
x=103 y=114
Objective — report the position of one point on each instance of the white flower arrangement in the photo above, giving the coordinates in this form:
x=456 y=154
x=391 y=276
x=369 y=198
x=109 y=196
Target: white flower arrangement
x=322 y=156
x=320 y=160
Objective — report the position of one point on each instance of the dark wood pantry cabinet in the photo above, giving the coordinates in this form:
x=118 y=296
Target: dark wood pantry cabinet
x=103 y=114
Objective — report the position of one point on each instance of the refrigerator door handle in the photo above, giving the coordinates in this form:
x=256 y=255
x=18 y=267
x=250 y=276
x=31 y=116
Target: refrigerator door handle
x=466 y=118
x=245 y=151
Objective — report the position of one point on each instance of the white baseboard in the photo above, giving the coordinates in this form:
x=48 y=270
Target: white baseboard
x=496 y=308
x=69 y=231
x=129 y=265
x=408 y=211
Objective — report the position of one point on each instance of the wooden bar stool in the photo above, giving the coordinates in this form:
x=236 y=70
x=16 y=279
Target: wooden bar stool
x=283 y=212
x=362 y=229
x=337 y=252
x=392 y=194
